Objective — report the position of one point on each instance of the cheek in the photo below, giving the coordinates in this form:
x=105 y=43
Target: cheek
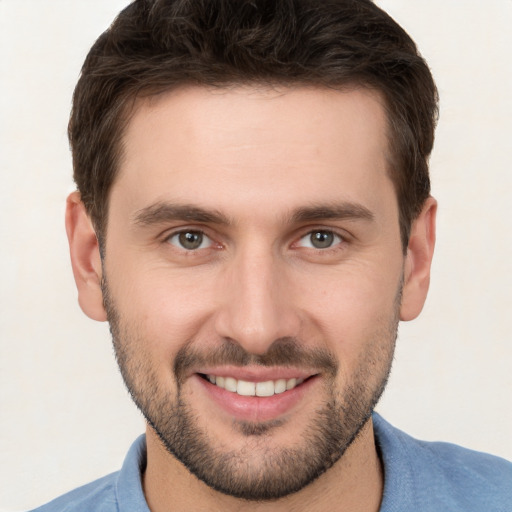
x=167 y=308
x=352 y=306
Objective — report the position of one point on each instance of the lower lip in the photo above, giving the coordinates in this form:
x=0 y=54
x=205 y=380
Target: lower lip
x=255 y=408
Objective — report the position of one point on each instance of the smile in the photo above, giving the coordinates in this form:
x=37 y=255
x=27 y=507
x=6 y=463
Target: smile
x=247 y=388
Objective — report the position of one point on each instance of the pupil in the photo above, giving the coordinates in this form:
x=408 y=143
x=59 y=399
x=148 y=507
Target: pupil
x=191 y=240
x=322 y=239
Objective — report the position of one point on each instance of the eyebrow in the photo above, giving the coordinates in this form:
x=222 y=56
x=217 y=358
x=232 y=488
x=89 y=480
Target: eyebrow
x=161 y=212
x=336 y=211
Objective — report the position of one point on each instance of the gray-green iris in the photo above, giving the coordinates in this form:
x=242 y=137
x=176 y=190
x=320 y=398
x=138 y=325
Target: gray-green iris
x=322 y=239
x=191 y=240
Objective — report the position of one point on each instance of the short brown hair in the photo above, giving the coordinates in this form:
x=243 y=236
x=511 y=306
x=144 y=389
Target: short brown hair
x=157 y=45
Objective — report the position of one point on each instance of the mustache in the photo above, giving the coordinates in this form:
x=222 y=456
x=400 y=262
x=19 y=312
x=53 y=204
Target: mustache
x=287 y=352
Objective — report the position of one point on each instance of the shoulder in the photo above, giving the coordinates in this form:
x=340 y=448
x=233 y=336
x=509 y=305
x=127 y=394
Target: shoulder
x=463 y=465
x=99 y=496
x=443 y=476
x=118 y=492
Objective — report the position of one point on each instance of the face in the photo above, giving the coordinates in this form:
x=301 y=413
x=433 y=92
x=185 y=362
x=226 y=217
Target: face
x=252 y=276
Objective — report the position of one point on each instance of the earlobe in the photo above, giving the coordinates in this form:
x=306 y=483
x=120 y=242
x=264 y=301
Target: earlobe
x=85 y=258
x=420 y=251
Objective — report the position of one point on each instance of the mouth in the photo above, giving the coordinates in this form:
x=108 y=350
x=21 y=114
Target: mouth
x=265 y=388
x=255 y=394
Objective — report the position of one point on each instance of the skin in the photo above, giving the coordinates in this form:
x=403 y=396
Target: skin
x=257 y=159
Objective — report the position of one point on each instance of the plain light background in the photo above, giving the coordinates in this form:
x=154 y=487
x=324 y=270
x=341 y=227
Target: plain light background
x=65 y=417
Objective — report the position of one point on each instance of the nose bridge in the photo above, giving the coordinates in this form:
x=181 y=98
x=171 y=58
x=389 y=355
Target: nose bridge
x=257 y=308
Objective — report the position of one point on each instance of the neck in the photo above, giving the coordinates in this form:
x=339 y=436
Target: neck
x=355 y=483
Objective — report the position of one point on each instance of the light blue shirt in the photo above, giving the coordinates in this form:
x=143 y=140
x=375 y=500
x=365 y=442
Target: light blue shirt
x=418 y=477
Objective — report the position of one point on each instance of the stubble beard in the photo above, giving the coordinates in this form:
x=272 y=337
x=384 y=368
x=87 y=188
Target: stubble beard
x=257 y=473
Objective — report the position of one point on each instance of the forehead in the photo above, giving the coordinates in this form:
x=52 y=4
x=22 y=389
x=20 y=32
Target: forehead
x=248 y=145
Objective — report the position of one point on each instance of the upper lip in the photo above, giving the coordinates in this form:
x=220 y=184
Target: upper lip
x=257 y=373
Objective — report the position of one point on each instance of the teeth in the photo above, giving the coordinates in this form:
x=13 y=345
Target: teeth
x=280 y=386
x=230 y=384
x=246 y=388
x=265 y=388
x=290 y=384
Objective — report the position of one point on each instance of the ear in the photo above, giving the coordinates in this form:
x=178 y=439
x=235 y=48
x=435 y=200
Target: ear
x=85 y=258
x=418 y=260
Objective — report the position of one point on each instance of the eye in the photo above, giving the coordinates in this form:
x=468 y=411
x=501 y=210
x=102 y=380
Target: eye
x=320 y=239
x=190 y=240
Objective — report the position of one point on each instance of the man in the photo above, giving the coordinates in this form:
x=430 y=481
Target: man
x=253 y=218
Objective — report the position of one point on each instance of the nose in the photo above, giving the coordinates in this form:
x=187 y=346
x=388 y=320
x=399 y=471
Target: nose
x=257 y=305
